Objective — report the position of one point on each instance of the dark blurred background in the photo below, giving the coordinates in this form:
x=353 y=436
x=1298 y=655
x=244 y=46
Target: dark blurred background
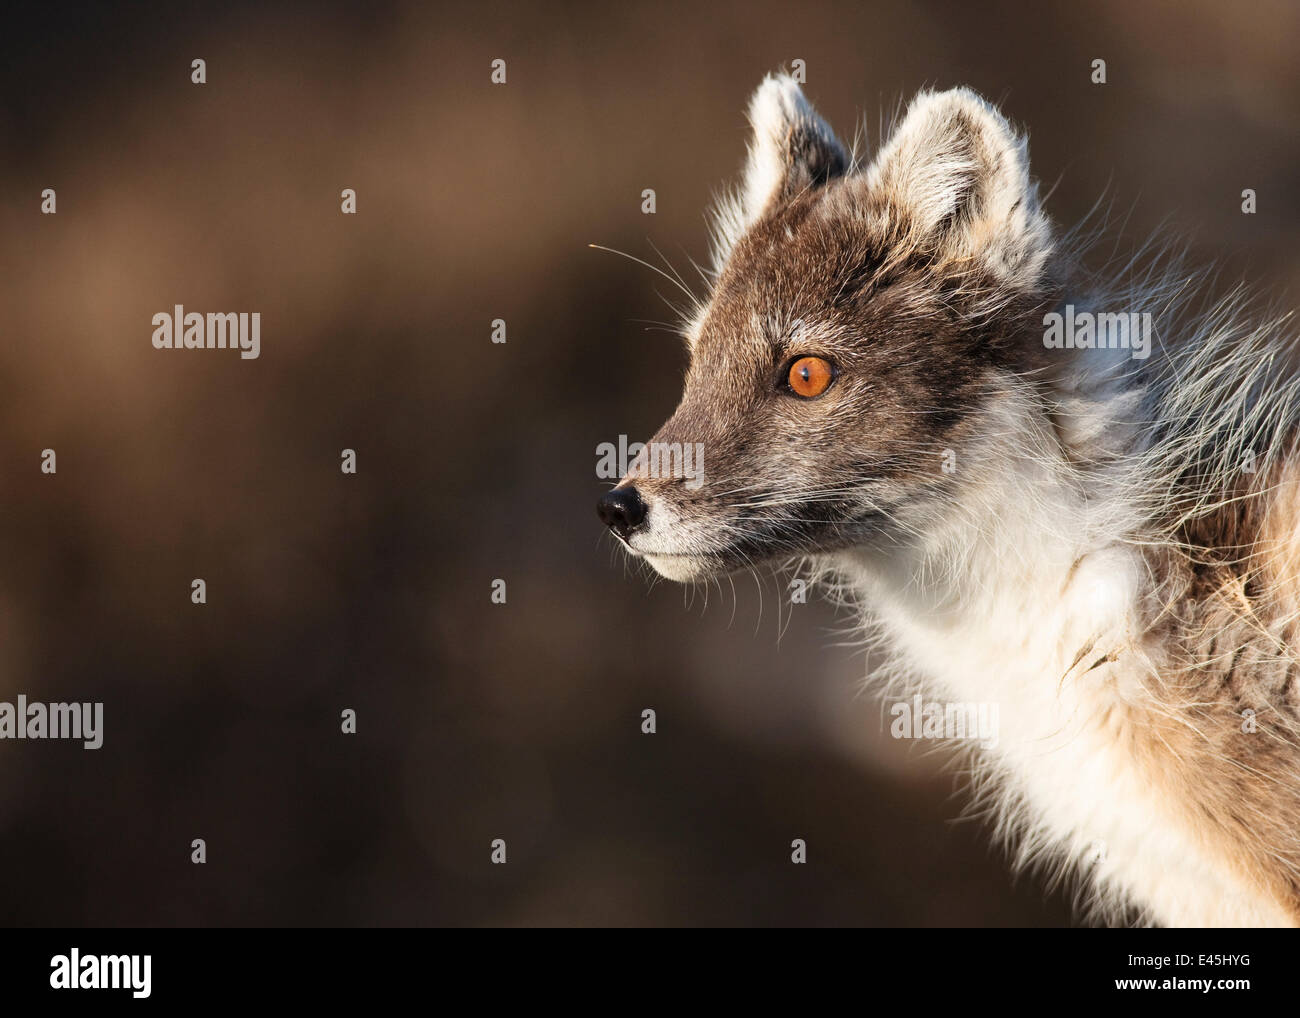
x=477 y=461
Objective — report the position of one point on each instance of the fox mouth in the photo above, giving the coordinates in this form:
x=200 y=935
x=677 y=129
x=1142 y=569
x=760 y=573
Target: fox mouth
x=641 y=553
x=703 y=565
x=769 y=547
x=682 y=548
x=671 y=556
x=680 y=566
x=684 y=568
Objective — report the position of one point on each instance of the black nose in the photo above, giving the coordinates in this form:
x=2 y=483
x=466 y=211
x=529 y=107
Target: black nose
x=621 y=510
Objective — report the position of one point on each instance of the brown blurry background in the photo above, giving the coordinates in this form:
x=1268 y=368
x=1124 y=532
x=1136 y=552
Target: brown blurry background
x=477 y=461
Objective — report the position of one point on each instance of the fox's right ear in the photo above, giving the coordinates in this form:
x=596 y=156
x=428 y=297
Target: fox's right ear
x=792 y=150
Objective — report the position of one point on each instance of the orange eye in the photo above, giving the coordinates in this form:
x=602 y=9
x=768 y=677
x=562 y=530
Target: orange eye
x=810 y=376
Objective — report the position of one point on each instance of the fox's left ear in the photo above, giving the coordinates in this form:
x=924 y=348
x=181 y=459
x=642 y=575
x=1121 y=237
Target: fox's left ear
x=954 y=181
x=792 y=150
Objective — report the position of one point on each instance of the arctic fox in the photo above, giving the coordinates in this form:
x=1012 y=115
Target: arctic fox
x=1105 y=542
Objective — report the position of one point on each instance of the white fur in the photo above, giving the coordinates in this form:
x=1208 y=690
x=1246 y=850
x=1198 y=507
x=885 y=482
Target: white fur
x=992 y=606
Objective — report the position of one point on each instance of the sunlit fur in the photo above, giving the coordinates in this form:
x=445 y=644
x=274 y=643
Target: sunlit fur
x=1115 y=559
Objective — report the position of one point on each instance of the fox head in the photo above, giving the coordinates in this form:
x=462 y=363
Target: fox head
x=866 y=325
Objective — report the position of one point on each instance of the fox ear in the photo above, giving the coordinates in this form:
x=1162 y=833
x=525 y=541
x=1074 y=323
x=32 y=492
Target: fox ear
x=954 y=177
x=792 y=150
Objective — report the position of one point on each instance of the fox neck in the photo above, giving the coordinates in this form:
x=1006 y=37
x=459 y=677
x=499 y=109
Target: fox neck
x=1014 y=577
x=997 y=600
x=1027 y=595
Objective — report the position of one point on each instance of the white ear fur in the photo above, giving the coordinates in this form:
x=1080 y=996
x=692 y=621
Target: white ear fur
x=792 y=149
x=955 y=176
